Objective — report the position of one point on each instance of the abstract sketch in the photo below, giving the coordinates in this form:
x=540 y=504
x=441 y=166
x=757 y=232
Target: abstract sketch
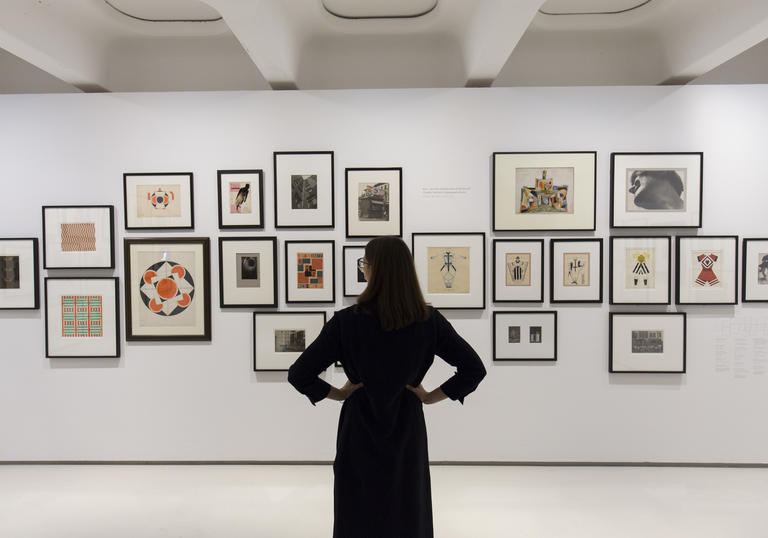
x=514 y=334
x=545 y=190
x=575 y=269
x=81 y=316
x=167 y=288
x=239 y=197
x=656 y=189
x=248 y=269
x=517 y=268
x=290 y=340
x=534 y=335
x=640 y=268
x=303 y=191
x=762 y=269
x=373 y=201
x=78 y=236
x=309 y=267
x=448 y=270
x=706 y=269
x=158 y=200
x=648 y=341
x=9 y=272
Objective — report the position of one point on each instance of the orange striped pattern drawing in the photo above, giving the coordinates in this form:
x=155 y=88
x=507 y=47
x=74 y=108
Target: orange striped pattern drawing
x=78 y=237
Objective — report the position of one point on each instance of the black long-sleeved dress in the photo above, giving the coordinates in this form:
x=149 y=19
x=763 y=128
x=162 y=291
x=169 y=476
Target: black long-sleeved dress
x=382 y=486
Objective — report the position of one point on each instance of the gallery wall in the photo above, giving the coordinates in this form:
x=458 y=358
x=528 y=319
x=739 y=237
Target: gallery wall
x=203 y=401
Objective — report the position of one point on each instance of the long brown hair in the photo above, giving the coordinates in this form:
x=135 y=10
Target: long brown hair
x=393 y=288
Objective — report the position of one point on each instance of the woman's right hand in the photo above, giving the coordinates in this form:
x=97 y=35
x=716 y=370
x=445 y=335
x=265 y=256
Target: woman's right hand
x=427 y=398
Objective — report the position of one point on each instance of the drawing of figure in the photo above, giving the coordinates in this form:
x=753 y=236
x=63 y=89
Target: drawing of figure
x=239 y=191
x=641 y=271
x=517 y=265
x=544 y=190
x=657 y=190
x=576 y=269
x=448 y=270
x=762 y=270
x=707 y=276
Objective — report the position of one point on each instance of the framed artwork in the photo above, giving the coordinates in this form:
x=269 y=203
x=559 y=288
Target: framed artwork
x=525 y=336
x=451 y=268
x=309 y=272
x=647 y=342
x=280 y=337
x=754 y=271
x=247 y=271
x=576 y=270
x=304 y=189
x=162 y=200
x=640 y=270
x=19 y=274
x=374 y=201
x=241 y=198
x=354 y=279
x=81 y=317
x=79 y=237
x=167 y=289
x=518 y=270
x=656 y=190
x=706 y=269
x=544 y=191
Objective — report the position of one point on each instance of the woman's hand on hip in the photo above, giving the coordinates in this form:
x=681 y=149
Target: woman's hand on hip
x=435 y=396
x=344 y=392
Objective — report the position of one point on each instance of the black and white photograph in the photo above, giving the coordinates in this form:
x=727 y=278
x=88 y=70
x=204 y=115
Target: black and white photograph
x=304 y=189
x=525 y=335
x=514 y=334
x=647 y=342
x=354 y=278
x=280 y=337
x=374 y=201
x=290 y=340
x=534 y=335
x=19 y=274
x=248 y=272
x=248 y=276
x=754 y=270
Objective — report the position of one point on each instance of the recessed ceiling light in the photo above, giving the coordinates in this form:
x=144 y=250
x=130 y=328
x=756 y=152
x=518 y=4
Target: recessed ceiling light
x=590 y=7
x=165 y=11
x=379 y=9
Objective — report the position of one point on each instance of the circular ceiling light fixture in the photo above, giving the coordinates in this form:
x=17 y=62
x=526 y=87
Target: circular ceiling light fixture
x=590 y=7
x=379 y=9
x=165 y=11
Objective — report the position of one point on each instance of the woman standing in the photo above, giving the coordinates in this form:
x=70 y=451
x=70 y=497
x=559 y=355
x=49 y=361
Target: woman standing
x=386 y=343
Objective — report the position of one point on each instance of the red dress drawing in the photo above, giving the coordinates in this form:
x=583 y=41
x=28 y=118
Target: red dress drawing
x=707 y=276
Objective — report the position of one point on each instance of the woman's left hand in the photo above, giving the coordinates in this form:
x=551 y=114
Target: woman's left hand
x=344 y=392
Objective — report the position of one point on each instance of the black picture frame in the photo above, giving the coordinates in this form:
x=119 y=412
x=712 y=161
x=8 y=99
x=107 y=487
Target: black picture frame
x=35 y=303
x=276 y=193
x=281 y=313
x=219 y=177
x=494 y=269
x=525 y=313
x=344 y=260
x=204 y=244
x=111 y=210
x=611 y=325
x=116 y=281
x=746 y=296
x=191 y=178
x=288 y=264
x=611 y=286
x=552 y=246
x=348 y=208
x=680 y=268
x=258 y=239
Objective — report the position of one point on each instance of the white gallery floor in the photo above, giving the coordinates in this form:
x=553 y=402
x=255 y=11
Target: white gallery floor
x=271 y=501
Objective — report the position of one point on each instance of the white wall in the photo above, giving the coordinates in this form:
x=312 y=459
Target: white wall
x=182 y=401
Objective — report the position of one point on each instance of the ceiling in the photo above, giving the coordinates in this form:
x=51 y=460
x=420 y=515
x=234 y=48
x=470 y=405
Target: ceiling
x=190 y=45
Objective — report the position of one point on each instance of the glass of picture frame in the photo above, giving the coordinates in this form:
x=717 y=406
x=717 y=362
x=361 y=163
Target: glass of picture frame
x=544 y=191
x=310 y=271
x=280 y=337
x=158 y=200
x=754 y=270
x=374 y=201
x=354 y=279
x=656 y=190
x=647 y=342
x=247 y=272
x=79 y=237
x=576 y=270
x=518 y=270
x=167 y=288
x=640 y=270
x=451 y=268
x=304 y=189
x=19 y=274
x=241 y=198
x=81 y=317
x=525 y=336
x=706 y=269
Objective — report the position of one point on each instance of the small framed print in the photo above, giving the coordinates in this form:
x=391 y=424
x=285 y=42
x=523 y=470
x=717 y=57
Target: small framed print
x=451 y=268
x=544 y=191
x=19 y=274
x=647 y=342
x=754 y=271
x=706 y=269
x=374 y=201
x=247 y=272
x=576 y=270
x=167 y=289
x=640 y=270
x=518 y=270
x=81 y=317
x=156 y=201
x=304 y=190
x=280 y=337
x=656 y=190
x=309 y=272
x=241 y=198
x=525 y=336
x=354 y=278
x=79 y=237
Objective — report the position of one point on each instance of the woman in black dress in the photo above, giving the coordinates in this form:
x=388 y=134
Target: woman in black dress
x=386 y=343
